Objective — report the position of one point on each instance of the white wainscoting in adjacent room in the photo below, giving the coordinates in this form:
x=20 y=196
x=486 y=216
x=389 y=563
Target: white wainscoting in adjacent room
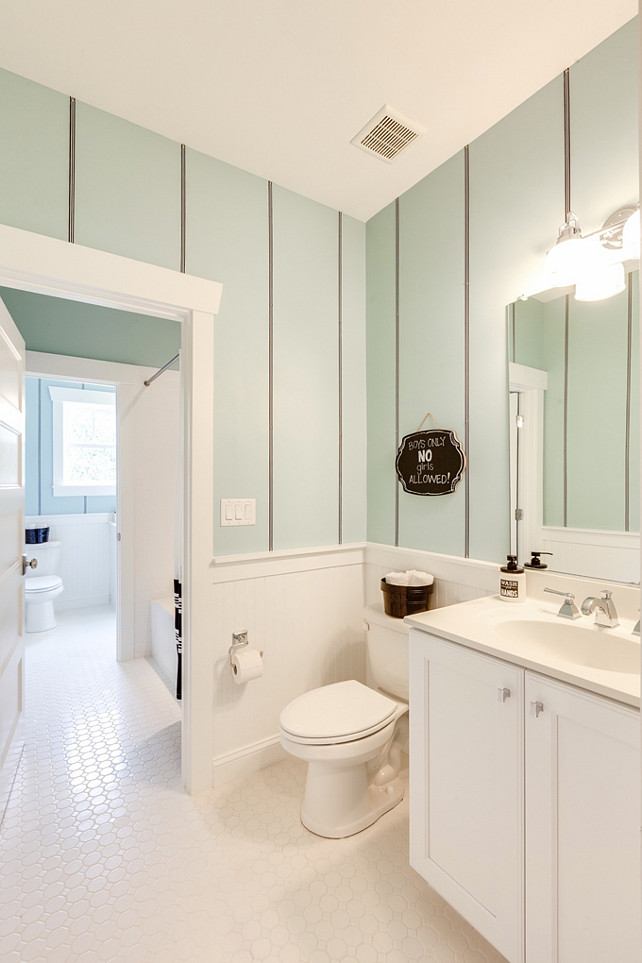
x=85 y=556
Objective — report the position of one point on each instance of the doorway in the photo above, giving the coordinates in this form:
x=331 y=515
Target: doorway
x=44 y=265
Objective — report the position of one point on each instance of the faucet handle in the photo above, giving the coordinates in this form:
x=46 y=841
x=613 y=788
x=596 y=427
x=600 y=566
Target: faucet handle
x=569 y=609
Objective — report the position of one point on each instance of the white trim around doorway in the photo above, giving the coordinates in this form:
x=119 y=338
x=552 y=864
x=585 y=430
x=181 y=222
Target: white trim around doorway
x=32 y=262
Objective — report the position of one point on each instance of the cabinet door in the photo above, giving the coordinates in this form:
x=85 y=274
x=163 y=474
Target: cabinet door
x=582 y=826
x=466 y=785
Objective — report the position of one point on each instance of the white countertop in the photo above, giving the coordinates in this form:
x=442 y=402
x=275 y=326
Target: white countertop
x=482 y=625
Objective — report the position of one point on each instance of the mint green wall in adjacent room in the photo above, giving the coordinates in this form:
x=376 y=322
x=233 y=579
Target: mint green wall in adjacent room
x=39 y=497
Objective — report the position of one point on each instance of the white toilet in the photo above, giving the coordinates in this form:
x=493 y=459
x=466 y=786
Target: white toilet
x=352 y=736
x=42 y=586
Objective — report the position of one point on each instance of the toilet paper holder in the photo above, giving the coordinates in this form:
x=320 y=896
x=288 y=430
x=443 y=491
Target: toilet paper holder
x=239 y=639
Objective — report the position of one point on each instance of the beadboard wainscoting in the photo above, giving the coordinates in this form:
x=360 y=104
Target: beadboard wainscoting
x=85 y=556
x=304 y=611
x=456 y=579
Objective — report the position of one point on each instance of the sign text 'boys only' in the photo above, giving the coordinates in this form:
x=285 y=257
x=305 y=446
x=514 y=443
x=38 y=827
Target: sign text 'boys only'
x=430 y=462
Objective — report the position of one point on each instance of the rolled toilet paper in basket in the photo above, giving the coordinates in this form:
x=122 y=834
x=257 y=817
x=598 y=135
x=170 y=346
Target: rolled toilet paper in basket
x=419 y=578
x=247 y=664
x=396 y=578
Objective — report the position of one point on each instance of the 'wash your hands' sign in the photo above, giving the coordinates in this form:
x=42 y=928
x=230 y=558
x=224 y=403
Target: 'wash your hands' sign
x=430 y=462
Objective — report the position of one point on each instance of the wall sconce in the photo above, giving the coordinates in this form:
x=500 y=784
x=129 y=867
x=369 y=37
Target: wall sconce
x=594 y=263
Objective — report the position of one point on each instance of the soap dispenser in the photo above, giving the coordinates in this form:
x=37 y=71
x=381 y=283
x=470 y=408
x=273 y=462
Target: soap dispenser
x=536 y=561
x=512 y=581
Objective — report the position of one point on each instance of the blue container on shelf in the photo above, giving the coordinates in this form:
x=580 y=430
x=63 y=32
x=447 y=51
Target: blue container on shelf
x=35 y=536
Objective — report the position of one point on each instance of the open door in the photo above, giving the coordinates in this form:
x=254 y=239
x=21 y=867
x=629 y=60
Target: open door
x=12 y=365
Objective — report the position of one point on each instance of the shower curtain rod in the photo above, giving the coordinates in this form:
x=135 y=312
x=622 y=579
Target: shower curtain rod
x=160 y=371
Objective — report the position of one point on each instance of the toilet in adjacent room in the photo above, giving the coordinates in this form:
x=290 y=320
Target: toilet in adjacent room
x=42 y=586
x=352 y=736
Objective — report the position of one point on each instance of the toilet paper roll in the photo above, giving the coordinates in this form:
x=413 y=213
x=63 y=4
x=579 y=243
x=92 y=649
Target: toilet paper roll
x=246 y=664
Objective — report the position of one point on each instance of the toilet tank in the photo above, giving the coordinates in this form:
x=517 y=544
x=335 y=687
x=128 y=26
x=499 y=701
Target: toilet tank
x=48 y=555
x=387 y=652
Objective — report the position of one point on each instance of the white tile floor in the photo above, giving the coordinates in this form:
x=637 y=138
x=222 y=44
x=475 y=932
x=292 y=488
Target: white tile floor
x=103 y=857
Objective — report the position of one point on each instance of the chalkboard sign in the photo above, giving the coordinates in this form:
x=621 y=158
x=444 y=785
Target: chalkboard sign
x=430 y=462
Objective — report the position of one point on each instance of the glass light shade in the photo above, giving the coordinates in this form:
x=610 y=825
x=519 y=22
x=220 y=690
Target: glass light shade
x=600 y=281
x=631 y=237
x=564 y=261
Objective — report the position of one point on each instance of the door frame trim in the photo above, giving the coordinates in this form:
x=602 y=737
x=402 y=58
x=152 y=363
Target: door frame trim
x=44 y=265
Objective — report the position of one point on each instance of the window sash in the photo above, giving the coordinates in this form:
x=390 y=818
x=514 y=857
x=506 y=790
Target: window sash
x=59 y=396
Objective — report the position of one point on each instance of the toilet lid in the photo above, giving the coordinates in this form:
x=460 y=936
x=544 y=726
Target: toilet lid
x=337 y=713
x=42 y=583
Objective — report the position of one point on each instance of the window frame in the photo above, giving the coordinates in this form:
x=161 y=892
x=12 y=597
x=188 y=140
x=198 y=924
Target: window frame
x=59 y=396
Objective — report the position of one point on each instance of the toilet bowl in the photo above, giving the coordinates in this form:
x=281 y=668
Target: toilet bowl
x=352 y=736
x=42 y=586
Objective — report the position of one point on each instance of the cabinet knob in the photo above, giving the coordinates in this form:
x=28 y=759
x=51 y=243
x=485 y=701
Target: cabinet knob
x=536 y=708
x=503 y=694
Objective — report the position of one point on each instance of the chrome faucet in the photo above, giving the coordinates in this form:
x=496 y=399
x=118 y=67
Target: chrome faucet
x=604 y=608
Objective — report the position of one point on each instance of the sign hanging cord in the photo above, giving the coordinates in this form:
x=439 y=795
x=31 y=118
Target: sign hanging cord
x=434 y=421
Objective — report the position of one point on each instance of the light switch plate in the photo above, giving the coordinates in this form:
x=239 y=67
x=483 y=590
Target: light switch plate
x=238 y=511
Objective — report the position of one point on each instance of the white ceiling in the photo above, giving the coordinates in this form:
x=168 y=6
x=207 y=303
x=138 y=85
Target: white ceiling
x=278 y=87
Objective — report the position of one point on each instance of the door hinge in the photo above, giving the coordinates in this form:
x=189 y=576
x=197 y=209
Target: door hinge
x=519 y=514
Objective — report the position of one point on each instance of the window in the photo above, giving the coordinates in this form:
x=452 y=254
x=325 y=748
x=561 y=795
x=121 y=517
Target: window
x=84 y=441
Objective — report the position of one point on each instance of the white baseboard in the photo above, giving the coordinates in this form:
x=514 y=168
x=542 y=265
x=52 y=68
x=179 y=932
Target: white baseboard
x=247 y=761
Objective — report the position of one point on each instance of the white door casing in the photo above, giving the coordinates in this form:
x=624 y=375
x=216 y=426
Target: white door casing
x=12 y=366
x=46 y=265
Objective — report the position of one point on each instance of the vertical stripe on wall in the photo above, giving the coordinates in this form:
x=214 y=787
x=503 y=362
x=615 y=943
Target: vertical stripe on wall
x=627 y=443
x=183 y=215
x=72 y=170
x=340 y=365
x=270 y=369
x=565 y=430
x=567 y=144
x=467 y=349
x=39 y=444
x=396 y=363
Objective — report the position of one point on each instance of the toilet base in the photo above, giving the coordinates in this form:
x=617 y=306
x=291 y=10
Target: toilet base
x=40 y=616
x=381 y=800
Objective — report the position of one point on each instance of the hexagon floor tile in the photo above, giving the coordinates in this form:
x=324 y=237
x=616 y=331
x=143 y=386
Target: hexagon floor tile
x=103 y=857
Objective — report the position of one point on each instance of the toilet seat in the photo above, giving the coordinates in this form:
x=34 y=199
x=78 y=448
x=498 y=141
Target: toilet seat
x=337 y=713
x=42 y=583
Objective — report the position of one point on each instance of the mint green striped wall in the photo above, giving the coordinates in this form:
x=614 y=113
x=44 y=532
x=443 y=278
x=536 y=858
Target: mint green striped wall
x=516 y=202
x=380 y=355
x=604 y=128
x=354 y=380
x=227 y=239
x=128 y=202
x=431 y=355
x=34 y=157
x=516 y=206
x=306 y=414
x=127 y=189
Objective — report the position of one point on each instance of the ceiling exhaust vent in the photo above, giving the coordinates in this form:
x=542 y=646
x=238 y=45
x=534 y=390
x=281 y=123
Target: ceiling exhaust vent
x=387 y=134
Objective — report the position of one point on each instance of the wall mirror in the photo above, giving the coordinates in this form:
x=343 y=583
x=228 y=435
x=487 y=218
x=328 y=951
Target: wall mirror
x=574 y=431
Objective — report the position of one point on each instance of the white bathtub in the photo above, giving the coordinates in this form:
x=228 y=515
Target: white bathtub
x=161 y=613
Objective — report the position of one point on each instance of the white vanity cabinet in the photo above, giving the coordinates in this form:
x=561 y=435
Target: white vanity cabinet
x=525 y=805
x=582 y=826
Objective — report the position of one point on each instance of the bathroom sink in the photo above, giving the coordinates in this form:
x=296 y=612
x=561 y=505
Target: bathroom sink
x=567 y=642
